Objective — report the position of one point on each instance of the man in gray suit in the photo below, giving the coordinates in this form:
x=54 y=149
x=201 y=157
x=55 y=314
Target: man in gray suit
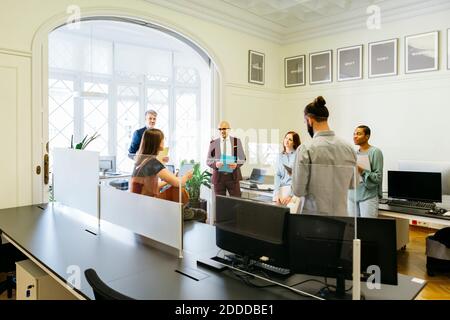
x=324 y=167
x=226 y=176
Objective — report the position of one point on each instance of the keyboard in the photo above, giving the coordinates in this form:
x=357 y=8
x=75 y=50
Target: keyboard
x=271 y=269
x=410 y=204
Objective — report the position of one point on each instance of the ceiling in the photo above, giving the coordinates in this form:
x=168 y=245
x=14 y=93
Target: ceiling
x=292 y=13
x=288 y=21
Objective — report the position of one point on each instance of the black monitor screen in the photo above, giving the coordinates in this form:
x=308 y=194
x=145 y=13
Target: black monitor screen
x=257 y=175
x=323 y=246
x=419 y=186
x=252 y=229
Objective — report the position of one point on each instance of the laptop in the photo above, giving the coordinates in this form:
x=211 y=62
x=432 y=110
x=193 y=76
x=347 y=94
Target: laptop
x=256 y=177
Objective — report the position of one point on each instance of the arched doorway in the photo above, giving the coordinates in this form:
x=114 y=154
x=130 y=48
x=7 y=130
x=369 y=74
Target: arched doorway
x=125 y=95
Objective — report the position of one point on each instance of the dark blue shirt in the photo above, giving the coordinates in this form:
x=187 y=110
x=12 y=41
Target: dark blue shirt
x=136 y=141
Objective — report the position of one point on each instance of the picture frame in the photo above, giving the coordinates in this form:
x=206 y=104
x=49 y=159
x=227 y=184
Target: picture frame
x=294 y=71
x=448 y=49
x=383 y=58
x=422 y=52
x=350 y=63
x=321 y=67
x=256 y=67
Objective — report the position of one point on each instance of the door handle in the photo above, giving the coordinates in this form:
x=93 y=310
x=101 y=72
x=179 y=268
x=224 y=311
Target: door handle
x=46 y=169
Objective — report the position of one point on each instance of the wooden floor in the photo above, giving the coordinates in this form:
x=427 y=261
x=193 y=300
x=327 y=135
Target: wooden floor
x=411 y=262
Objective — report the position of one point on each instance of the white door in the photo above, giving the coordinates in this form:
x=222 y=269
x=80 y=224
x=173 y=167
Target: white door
x=15 y=115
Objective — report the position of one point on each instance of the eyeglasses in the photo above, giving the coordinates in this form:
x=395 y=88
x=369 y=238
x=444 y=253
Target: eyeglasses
x=223 y=129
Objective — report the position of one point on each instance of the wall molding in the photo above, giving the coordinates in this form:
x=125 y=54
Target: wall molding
x=254 y=88
x=14 y=52
x=379 y=85
x=259 y=27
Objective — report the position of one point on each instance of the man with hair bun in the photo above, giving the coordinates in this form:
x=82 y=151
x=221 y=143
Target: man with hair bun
x=324 y=167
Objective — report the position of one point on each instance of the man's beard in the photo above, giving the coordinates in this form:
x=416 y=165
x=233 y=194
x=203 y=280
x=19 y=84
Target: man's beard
x=310 y=130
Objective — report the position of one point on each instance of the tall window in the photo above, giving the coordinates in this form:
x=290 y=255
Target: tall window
x=105 y=75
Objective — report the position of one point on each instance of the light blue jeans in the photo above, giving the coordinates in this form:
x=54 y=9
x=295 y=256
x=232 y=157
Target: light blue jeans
x=367 y=208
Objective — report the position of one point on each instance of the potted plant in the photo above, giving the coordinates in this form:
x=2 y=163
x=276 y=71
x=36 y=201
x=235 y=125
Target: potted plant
x=84 y=143
x=193 y=186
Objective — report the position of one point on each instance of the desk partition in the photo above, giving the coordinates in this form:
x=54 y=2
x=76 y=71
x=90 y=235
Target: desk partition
x=151 y=207
x=75 y=179
x=157 y=219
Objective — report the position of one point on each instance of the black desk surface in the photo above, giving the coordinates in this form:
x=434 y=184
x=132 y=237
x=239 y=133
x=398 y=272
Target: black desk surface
x=58 y=239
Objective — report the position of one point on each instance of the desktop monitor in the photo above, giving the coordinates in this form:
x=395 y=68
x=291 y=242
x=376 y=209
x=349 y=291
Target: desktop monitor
x=252 y=230
x=429 y=166
x=323 y=246
x=185 y=167
x=107 y=164
x=257 y=175
x=171 y=168
x=417 y=186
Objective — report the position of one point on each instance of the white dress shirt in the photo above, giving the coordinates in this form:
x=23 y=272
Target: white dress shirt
x=229 y=150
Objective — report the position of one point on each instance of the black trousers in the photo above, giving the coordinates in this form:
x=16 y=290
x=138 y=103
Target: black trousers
x=227 y=183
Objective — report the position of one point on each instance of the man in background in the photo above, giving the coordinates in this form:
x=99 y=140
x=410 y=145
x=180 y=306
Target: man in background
x=370 y=169
x=150 y=121
x=225 y=157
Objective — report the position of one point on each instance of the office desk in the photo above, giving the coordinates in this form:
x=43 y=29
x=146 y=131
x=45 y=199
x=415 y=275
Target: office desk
x=57 y=240
x=255 y=194
x=413 y=214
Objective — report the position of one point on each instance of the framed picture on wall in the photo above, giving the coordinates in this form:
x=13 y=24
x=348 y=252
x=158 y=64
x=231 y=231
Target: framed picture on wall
x=294 y=71
x=350 y=63
x=422 y=52
x=255 y=67
x=448 y=49
x=383 y=58
x=320 y=67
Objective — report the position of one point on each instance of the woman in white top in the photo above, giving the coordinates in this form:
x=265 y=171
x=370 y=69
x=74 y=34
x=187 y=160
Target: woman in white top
x=282 y=193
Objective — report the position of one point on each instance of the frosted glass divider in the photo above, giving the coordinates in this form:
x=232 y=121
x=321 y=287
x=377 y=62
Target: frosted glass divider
x=157 y=219
x=76 y=179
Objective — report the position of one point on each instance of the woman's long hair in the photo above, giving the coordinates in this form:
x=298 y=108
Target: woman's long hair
x=295 y=139
x=151 y=140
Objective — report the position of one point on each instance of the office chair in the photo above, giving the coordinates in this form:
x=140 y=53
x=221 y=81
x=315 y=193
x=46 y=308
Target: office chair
x=101 y=289
x=9 y=255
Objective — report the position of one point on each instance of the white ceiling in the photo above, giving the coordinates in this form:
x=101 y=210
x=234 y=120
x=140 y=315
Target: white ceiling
x=292 y=13
x=288 y=21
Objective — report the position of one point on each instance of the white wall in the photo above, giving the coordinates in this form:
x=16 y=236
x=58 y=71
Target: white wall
x=408 y=114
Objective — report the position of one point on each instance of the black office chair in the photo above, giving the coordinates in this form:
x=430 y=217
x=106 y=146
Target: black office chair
x=9 y=255
x=101 y=289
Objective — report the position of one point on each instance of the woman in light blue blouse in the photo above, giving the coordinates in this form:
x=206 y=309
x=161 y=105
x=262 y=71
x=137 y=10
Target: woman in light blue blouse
x=283 y=174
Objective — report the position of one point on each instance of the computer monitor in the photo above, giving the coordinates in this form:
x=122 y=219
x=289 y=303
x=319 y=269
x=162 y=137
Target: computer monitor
x=257 y=175
x=429 y=166
x=323 y=246
x=107 y=164
x=252 y=230
x=418 y=186
x=185 y=168
x=171 y=168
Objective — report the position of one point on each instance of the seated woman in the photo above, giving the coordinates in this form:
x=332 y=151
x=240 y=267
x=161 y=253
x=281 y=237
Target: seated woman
x=148 y=170
x=282 y=193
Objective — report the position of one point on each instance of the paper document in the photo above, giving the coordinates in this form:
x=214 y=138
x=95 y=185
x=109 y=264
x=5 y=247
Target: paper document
x=162 y=154
x=364 y=162
x=226 y=160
